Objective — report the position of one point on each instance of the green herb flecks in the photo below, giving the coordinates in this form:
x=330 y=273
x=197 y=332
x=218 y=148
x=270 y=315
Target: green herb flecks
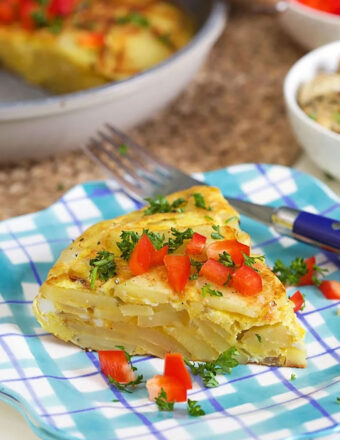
x=208 y=370
x=338 y=400
x=290 y=275
x=128 y=356
x=292 y=377
x=134 y=18
x=39 y=18
x=55 y=25
x=225 y=259
x=216 y=235
x=200 y=202
x=123 y=148
x=258 y=337
x=336 y=116
x=165 y=38
x=234 y=217
x=207 y=290
x=104 y=267
x=207 y=217
x=197 y=266
x=163 y=403
x=126 y=387
x=313 y=116
x=250 y=261
x=129 y=239
x=194 y=409
x=178 y=238
x=160 y=204
x=319 y=271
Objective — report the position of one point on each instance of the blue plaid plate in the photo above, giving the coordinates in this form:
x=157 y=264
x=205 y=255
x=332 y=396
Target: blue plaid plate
x=59 y=388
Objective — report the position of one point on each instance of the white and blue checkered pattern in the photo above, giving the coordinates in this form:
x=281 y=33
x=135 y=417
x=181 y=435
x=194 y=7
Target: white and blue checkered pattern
x=60 y=389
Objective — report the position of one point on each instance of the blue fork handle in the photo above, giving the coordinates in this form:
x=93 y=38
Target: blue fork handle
x=310 y=228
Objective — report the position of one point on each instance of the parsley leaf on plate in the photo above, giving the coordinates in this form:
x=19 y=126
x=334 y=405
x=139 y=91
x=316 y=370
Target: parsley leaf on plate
x=216 y=235
x=207 y=290
x=161 y=205
x=163 y=403
x=208 y=370
x=194 y=409
x=126 y=387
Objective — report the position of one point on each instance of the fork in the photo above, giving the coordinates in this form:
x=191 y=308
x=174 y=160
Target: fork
x=143 y=175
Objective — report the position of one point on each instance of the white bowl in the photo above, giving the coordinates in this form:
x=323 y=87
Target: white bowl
x=48 y=124
x=320 y=143
x=309 y=27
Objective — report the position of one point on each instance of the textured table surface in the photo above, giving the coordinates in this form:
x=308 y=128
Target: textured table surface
x=233 y=112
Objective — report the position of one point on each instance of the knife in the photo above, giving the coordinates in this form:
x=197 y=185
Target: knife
x=309 y=228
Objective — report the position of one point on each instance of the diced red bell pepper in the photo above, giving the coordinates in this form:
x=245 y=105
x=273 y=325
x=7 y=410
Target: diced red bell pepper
x=114 y=363
x=158 y=258
x=216 y=272
x=175 y=367
x=232 y=247
x=330 y=289
x=60 y=8
x=175 y=390
x=196 y=244
x=7 y=12
x=91 y=40
x=142 y=256
x=178 y=267
x=307 y=280
x=27 y=7
x=247 y=281
x=298 y=300
x=331 y=6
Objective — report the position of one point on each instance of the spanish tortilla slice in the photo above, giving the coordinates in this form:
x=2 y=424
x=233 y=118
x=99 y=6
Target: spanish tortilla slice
x=146 y=314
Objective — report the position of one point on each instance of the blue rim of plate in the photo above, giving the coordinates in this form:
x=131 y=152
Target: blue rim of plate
x=271 y=184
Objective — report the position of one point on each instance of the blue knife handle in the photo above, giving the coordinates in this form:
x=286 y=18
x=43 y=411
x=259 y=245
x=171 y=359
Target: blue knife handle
x=323 y=230
x=310 y=228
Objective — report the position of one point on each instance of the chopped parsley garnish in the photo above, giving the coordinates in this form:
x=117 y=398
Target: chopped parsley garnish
x=123 y=149
x=258 y=337
x=39 y=18
x=60 y=187
x=115 y=400
x=250 y=261
x=161 y=205
x=194 y=409
x=178 y=238
x=207 y=290
x=134 y=18
x=128 y=356
x=56 y=25
x=312 y=116
x=207 y=217
x=338 y=400
x=225 y=259
x=320 y=271
x=336 y=116
x=126 y=387
x=208 y=370
x=129 y=239
x=104 y=267
x=292 y=376
x=217 y=234
x=304 y=303
x=197 y=265
x=290 y=275
x=234 y=217
x=200 y=202
x=163 y=403
x=165 y=38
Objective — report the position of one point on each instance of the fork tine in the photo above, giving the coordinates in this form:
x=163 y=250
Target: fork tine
x=141 y=151
x=135 y=186
x=131 y=163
